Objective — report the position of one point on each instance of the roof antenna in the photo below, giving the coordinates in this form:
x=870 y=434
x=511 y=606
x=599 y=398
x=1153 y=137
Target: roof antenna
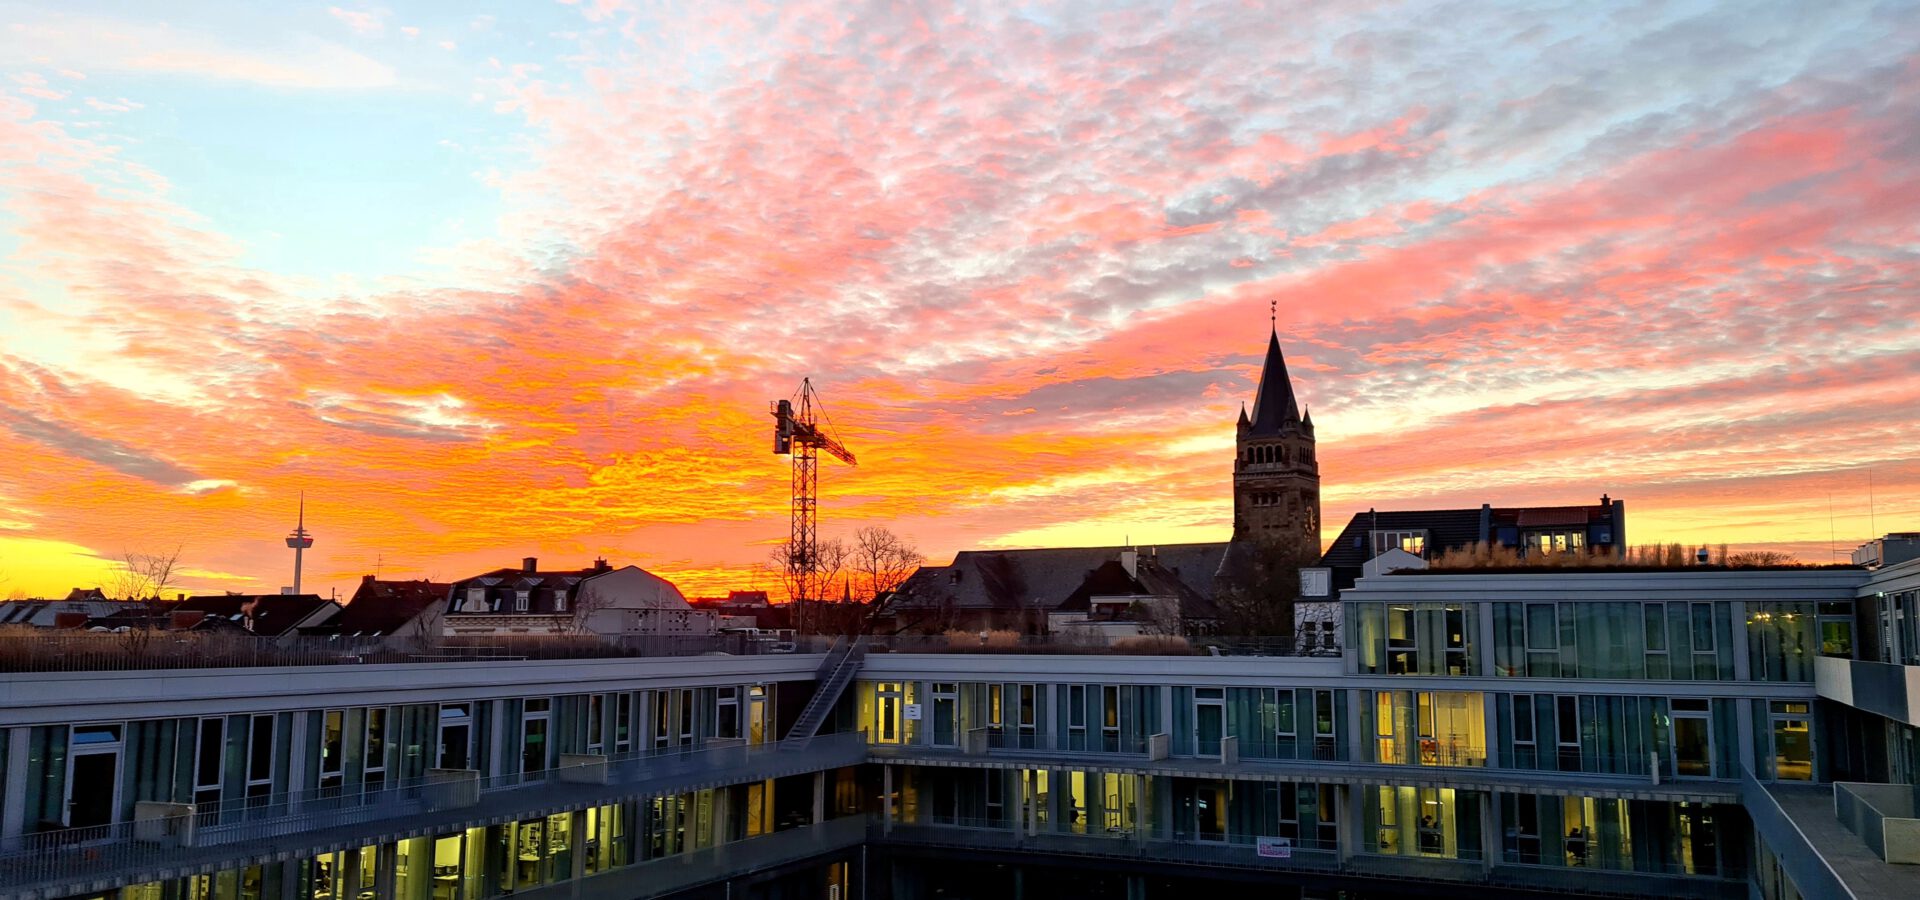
x=1832 y=553
x=1873 y=527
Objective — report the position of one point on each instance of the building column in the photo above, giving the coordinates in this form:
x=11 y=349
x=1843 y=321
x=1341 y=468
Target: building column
x=383 y=875
x=578 y=826
x=296 y=756
x=1742 y=665
x=1743 y=724
x=497 y=740
x=1490 y=832
x=1482 y=654
x=819 y=797
x=350 y=885
x=1166 y=712
x=1350 y=799
x=886 y=795
x=13 y=811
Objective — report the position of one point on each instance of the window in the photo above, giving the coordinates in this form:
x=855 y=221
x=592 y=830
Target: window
x=533 y=737
x=209 y=765
x=1692 y=738
x=1659 y=666
x=332 y=756
x=1836 y=629
x=1566 y=716
x=727 y=719
x=376 y=748
x=622 y=722
x=1414 y=542
x=1544 y=542
x=1076 y=707
x=456 y=730
x=260 y=756
x=520 y=601
x=1792 y=740
x=1542 y=633
x=596 y=722
x=1110 y=718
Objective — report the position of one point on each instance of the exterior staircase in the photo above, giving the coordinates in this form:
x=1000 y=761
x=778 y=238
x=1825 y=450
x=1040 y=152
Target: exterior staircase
x=830 y=681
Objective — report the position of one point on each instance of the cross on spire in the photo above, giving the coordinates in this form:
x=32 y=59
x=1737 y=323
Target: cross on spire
x=1273 y=314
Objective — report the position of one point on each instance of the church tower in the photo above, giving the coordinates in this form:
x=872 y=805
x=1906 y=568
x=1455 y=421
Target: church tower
x=1276 y=477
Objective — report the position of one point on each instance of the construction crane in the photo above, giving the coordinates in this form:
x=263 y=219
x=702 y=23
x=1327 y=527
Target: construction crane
x=797 y=433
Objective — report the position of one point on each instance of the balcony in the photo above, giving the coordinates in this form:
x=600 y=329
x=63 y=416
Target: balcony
x=1308 y=761
x=173 y=841
x=1884 y=689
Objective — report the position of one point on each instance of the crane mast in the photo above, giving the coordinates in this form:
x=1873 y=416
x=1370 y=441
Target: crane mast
x=797 y=433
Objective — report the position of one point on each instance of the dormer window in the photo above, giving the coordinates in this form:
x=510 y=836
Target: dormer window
x=520 y=601
x=559 y=601
x=476 y=599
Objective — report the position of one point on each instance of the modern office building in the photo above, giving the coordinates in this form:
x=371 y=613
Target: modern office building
x=1682 y=733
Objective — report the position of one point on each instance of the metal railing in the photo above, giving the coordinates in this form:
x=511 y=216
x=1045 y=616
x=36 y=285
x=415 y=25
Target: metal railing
x=1098 y=645
x=105 y=652
x=211 y=834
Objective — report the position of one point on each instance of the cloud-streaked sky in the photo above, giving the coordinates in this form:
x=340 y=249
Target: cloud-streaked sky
x=496 y=280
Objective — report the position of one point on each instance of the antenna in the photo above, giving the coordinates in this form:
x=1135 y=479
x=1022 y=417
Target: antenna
x=1873 y=527
x=378 y=561
x=1832 y=552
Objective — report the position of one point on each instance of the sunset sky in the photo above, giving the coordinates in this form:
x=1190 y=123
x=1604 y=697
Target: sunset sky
x=500 y=280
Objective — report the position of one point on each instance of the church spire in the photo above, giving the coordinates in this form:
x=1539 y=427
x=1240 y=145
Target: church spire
x=1274 y=404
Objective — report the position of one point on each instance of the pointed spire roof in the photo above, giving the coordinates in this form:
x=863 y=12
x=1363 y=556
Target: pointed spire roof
x=1274 y=404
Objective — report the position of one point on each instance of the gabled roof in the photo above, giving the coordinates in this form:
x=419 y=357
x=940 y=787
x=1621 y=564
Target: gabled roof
x=1149 y=580
x=1040 y=579
x=383 y=607
x=1274 y=404
x=1444 y=527
x=272 y=614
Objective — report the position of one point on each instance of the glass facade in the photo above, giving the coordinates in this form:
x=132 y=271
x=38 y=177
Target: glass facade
x=1660 y=641
x=1414 y=638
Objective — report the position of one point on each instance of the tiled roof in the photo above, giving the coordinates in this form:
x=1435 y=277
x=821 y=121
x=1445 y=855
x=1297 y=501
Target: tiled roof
x=1445 y=528
x=384 y=607
x=272 y=614
x=1043 y=578
x=1273 y=403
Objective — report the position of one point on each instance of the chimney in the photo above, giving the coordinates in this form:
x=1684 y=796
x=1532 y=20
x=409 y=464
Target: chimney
x=600 y=565
x=530 y=565
x=1130 y=560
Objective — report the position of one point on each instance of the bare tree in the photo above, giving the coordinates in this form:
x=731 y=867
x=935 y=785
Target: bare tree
x=1759 y=558
x=144 y=576
x=1261 y=585
x=808 y=585
x=425 y=629
x=588 y=602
